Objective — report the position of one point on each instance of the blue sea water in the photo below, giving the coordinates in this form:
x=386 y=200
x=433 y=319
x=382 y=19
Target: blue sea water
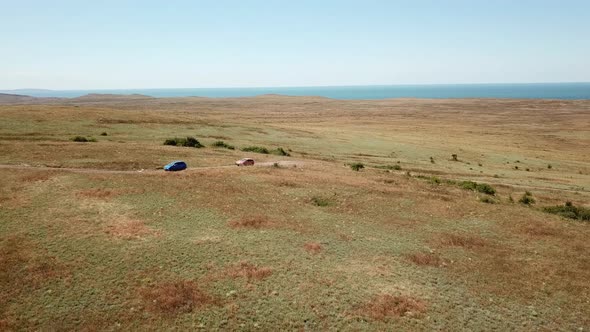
x=523 y=90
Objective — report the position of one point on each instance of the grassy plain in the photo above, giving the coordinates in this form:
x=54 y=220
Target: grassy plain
x=88 y=242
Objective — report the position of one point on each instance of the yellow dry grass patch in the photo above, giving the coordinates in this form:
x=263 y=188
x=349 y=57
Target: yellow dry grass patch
x=130 y=229
x=386 y=306
x=176 y=297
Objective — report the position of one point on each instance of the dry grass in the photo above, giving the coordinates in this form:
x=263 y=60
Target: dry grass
x=22 y=265
x=540 y=230
x=426 y=259
x=255 y=222
x=37 y=176
x=97 y=193
x=176 y=297
x=464 y=241
x=313 y=247
x=129 y=229
x=249 y=271
x=385 y=306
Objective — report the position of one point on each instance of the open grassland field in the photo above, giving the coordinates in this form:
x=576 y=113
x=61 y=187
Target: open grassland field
x=95 y=236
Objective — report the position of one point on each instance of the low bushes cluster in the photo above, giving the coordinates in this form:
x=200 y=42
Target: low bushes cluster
x=189 y=141
x=222 y=144
x=483 y=188
x=390 y=167
x=83 y=139
x=569 y=211
x=480 y=187
x=280 y=152
x=256 y=149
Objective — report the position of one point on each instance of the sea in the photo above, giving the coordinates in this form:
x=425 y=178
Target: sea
x=437 y=91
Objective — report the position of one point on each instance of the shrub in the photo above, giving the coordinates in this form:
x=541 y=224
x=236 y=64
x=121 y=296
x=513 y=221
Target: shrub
x=432 y=160
x=357 y=166
x=192 y=143
x=320 y=201
x=454 y=156
x=569 y=211
x=222 y=144
x=549 y=166
x=390 y=167
x=527 y=198
x=83 y=139
x=488 y=200
x=256 y=149
x=104 y=133
x=469 y=185
x=189 y=141
x=170 y=141
x=280 y=152
x=480 y=187
x=485 y=189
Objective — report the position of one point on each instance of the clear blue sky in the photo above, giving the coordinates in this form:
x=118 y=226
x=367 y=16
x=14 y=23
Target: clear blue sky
x=172 y=44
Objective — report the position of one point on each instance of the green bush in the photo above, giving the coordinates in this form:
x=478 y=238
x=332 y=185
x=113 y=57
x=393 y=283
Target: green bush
x=104 y=133
x=569 y=211
x=189 y=141
x=83 y=139
x=357 y=166
x=527 y=198
x=480 y=187
x=222 y=144
x=469 y=185
x=487 y=200
x=256 y=149
x=390 y=167
x=280 y=152
x=485 y=189
x=192 y=142
x=320 y=201
x=170 y=141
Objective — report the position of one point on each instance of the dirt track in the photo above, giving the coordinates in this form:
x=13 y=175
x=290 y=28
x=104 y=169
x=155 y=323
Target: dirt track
x=293 y=163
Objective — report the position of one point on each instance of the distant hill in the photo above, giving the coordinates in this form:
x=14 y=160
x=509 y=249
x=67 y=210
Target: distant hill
x=7 y=98
x=100 y=97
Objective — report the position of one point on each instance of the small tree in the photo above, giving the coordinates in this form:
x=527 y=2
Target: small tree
x=454 y=156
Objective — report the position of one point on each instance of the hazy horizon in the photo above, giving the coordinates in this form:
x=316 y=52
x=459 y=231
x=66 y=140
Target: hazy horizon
x=296 y=86
x=68 y=45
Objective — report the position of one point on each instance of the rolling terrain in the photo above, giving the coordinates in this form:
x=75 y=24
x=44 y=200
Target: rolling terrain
x=95 y=236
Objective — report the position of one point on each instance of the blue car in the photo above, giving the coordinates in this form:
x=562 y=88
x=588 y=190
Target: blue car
x=175 y=166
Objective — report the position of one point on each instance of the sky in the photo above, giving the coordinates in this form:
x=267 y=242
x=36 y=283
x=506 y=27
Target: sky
x=249 y=43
